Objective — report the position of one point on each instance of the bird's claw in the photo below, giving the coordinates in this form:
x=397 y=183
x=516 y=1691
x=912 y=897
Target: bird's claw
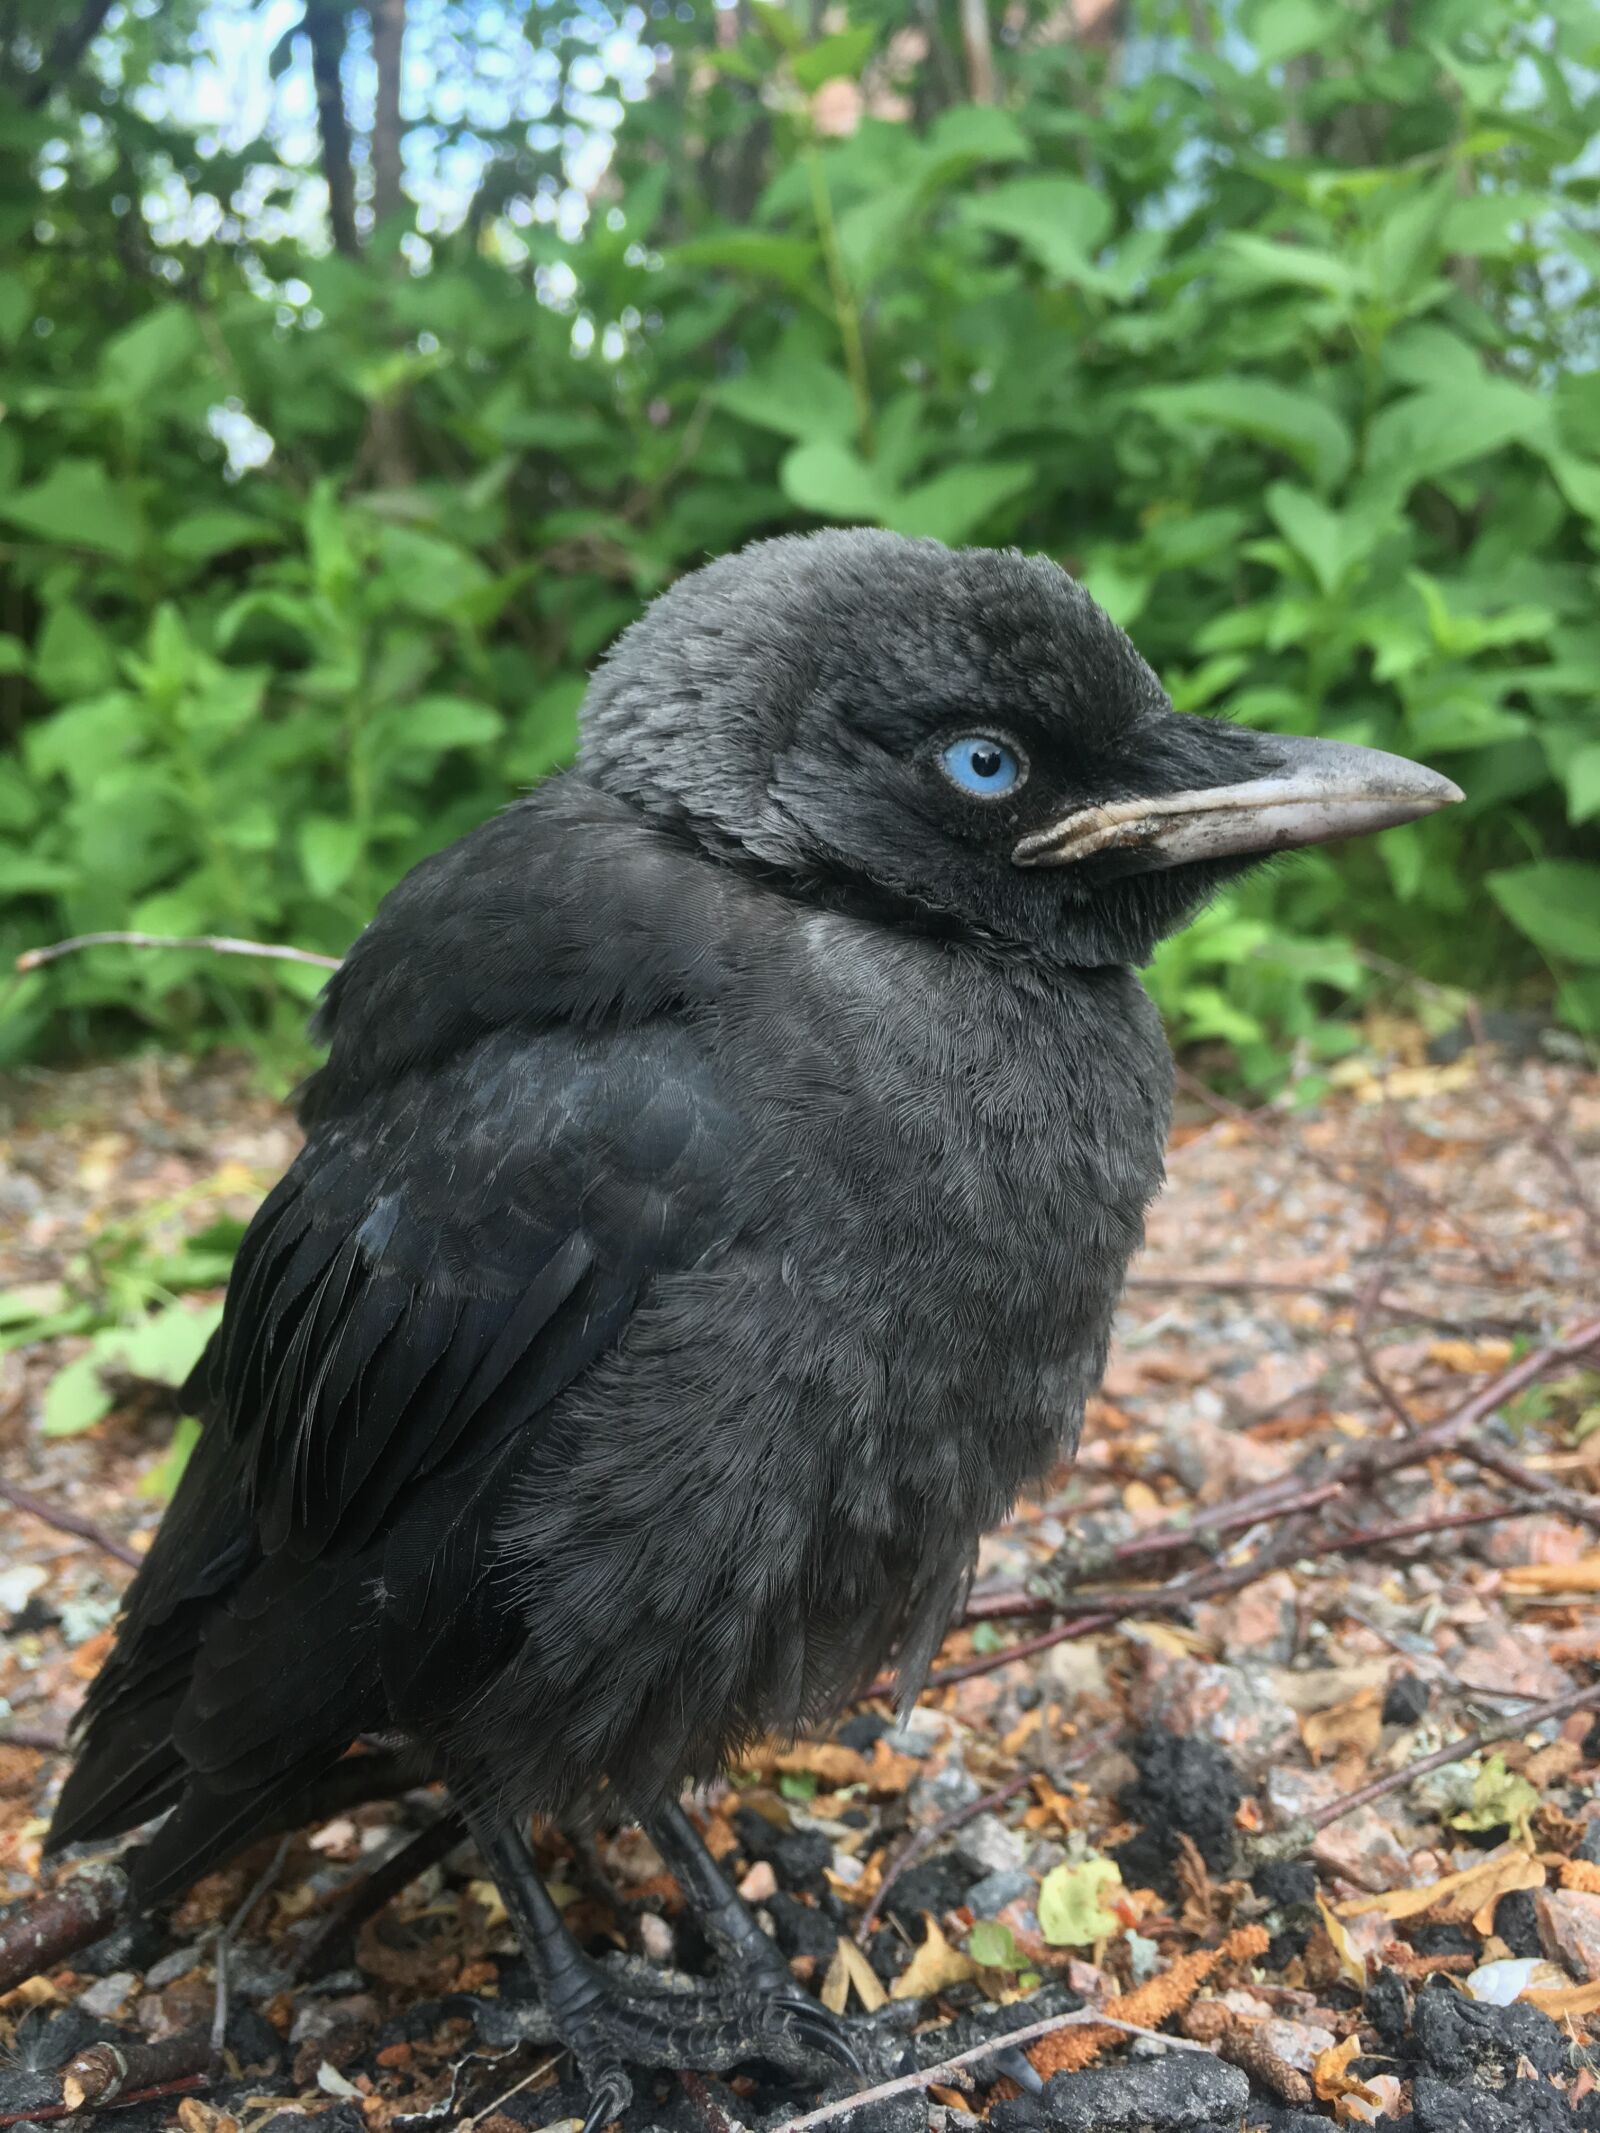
x=820 y=2033
x=610 y=2093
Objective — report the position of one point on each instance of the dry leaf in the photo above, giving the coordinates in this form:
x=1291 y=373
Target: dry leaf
x=833 y=1764
x=850 y=1967
x=1352 y=1963
x=1357 y=1724
x=1469 y=1357
x=1573 y=2000
x=1471 y=1892
x=1581 y=1576
x=935 y=1967
x=1331 y=2076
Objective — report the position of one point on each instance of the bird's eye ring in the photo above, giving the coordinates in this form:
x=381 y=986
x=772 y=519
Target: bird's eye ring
x=981 y=766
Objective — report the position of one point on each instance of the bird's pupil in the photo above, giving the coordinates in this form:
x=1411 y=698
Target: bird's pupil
x=986 y=761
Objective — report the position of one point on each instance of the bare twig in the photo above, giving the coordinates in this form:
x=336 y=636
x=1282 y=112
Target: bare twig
x=374 y=1890
x=1516 y=1724
x=1081 y=2018
x=44 y=1929
x=212 y=943
x=65 y=1521
x=41 y=1743
x=1009 y=1604
x=105 y=2073
x=50 y=2113
x=1329 y=1292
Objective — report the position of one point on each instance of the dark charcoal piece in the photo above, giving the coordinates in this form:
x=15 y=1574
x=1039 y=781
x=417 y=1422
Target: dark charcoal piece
x=1405 y=1700
x=1517 y=1923
x=863 y=1732
x=1185 y=1786
x=800 y=1930
x=1283 y=2118
x=757 y=1836
x=1388 y=2008
x=1444 y=1940
x=1186 y=2092
x=799 y=1857
x=981 y=2024
x=1438 y=2108
x=1289 y=1884
x=905 y=2113
x=1017 y=2114
x=1461 y=2040
x=937 y=1885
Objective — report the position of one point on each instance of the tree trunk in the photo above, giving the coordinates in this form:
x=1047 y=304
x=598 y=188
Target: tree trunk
x=979 y=49
x=327 y=26
x=388 y=18
x=67 y=47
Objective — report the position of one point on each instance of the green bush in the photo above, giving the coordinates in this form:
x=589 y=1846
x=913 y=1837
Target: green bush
x=1278 y=326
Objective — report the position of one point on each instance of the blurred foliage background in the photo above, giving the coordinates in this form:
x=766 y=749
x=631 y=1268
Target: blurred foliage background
x=359 y=387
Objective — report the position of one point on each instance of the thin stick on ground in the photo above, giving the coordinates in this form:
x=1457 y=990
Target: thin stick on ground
x=1510 y=1728
x=65 y=1521
x=1082 y=2018
x=1328 y=1292
x=42 y=1930
x=374 y=1890
x=210 y=943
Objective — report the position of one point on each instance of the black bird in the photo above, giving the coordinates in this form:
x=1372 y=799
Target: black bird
x=712 y=1211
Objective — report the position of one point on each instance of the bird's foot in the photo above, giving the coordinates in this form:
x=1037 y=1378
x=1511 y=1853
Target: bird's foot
x=707 y=2031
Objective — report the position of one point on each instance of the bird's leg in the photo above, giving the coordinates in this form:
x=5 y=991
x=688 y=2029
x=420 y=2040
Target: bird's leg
x=743 y=1950
x=607 y=2028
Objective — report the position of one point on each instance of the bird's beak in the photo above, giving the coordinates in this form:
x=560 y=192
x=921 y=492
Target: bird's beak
x=1319 y=791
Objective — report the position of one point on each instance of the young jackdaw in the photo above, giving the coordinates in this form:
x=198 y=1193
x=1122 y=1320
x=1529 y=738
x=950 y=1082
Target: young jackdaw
x=711 y=1215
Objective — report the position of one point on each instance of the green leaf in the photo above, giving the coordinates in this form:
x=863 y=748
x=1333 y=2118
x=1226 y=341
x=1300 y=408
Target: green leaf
x=161 y=1480
x=435 y=723
x=1072 y=1912
x=834 y=482
x=1295 y=422
x=844 y=53
x=16 y=309
x=952 y=506
x=330 y=848
x=144 y=355
x=77 y=505
x=1324 y=539
x=201 y=535
x=1283 y=29
x=1428 y=433
x=977 y=133
x=797 y=395
x=991 y=1945
x=1253 y=262
x=784 y=259
x=163 y=1347
x=75 y=1399
x=1556 y=903
x=1059 y=220
x=1582 y=781
x=1500 y=1800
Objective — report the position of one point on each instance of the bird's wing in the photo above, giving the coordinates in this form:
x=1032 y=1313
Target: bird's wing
x=433 y=1272
x=516 y=1130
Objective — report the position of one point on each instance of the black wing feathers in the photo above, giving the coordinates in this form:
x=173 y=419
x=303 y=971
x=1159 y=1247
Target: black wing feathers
x=511 y=1136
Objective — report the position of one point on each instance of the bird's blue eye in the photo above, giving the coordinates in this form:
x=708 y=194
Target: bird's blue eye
x=979 y=764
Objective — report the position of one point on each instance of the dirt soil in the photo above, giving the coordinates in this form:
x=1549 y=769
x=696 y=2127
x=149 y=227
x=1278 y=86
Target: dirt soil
x=1105 y=1799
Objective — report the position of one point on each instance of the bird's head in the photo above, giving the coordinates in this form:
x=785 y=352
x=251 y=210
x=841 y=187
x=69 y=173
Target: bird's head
x=961 y=733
